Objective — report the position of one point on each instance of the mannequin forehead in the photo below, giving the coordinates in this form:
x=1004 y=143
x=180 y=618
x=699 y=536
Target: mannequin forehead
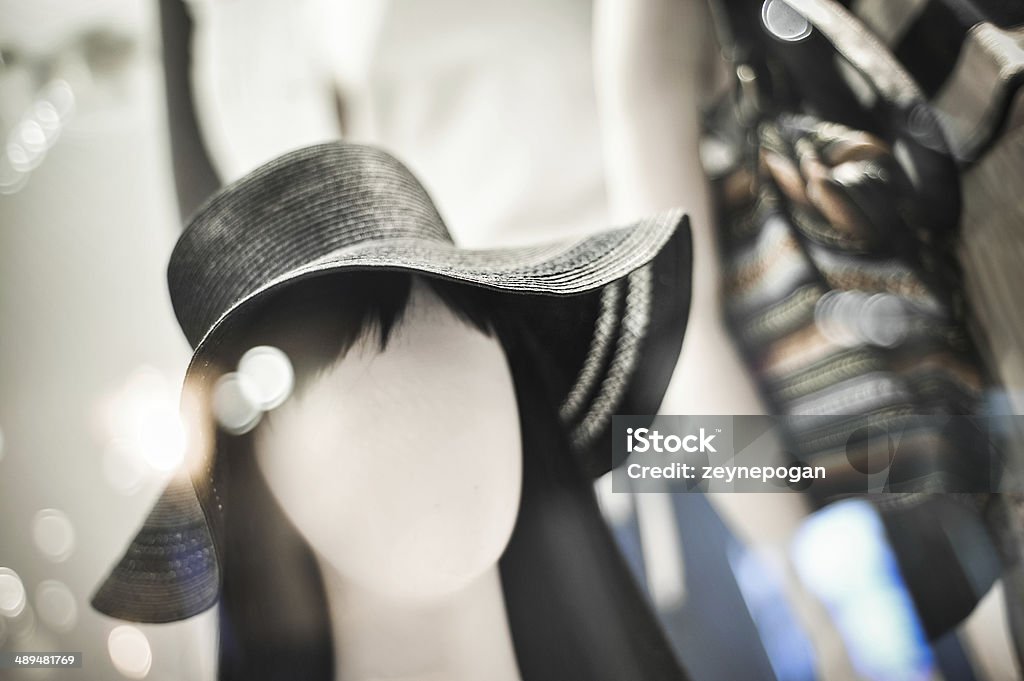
x=432 y=358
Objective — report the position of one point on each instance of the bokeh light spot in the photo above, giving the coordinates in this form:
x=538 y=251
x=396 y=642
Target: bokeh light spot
x=62 y=97
x=32 y=136
x=20 y=158
x=56 y=605
x=53 y=534
x=46 y=115
x=885 y=320
x=269 y=375
x=145 y=421
x=784 y=22
x=12 y=593
x=130 y=651
x=234 y=405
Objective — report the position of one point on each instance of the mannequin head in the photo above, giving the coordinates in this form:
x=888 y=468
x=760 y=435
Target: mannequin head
x=400 y=463
x=420 y=446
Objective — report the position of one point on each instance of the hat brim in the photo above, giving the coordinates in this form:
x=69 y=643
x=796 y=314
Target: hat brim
x=170 y=570
x=559 y=268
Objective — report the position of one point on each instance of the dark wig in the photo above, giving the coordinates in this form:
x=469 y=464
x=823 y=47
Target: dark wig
x=574 y=610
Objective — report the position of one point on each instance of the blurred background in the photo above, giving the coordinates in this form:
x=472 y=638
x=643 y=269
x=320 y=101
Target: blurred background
x=91 y=355
x=119 y=116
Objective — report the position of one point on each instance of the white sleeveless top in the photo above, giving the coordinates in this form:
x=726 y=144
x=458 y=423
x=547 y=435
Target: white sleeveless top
x=490 y=103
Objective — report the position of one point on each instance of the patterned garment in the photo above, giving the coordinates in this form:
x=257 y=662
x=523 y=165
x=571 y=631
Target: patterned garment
x=844 y=307
x=843 y=298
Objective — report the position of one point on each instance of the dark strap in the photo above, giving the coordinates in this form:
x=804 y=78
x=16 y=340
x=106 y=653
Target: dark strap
x=861 y=49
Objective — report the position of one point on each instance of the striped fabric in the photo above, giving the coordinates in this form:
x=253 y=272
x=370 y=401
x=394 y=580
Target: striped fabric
x=842 y=309
x=969 y=57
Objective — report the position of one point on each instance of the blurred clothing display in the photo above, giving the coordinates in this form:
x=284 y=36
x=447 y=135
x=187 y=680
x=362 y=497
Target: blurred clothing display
x=841 y=280
x=839 y=315
x=969 y=59
x=840 y=240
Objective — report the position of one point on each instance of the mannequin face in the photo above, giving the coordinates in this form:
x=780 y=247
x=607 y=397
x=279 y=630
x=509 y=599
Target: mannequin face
x=402 y=468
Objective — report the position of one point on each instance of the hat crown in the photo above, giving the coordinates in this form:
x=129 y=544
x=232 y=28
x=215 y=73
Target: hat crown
x=287 y=214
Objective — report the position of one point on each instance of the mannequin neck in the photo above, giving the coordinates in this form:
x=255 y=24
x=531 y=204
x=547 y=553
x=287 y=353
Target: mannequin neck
x=461 y=637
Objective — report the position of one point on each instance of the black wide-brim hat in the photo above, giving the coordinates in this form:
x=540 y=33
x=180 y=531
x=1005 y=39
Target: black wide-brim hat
x=611 y=308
